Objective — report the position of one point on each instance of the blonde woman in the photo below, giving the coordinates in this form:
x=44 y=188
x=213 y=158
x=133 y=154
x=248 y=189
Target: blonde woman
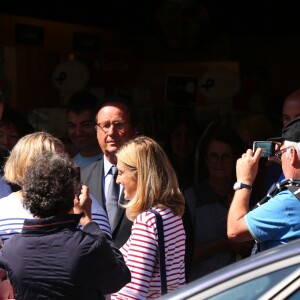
x=149 y=181
x=12 y=212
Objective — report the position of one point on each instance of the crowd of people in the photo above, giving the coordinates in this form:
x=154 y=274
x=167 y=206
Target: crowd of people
x=80 y=222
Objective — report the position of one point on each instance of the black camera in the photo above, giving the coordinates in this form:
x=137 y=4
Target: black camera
x=267 y=147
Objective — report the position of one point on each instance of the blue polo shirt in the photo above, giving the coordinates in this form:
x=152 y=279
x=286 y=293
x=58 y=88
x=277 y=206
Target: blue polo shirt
x=275 y=222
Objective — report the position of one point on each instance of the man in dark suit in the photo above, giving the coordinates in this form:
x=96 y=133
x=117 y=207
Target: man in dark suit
x=116 y=124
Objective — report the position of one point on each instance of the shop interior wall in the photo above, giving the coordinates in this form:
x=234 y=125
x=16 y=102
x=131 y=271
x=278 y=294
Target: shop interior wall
x=266 y=65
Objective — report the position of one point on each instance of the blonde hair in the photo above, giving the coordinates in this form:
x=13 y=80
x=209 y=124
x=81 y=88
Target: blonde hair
x=157 y=183
x=21 y=155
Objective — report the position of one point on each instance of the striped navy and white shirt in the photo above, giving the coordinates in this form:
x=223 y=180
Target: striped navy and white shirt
x=141 y=256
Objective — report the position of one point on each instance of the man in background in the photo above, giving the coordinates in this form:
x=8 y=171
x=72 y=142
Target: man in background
x=291 y=107
x=116 y=124
x=81 y=111
x=290 y=111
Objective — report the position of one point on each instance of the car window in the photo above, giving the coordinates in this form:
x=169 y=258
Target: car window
x=295 y=296
x=293 y=290
x=252 y=289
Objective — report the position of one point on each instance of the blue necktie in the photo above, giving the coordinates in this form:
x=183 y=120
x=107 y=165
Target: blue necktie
x=112 y=196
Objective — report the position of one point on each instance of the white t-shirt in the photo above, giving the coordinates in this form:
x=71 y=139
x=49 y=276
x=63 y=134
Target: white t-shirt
x=13 y=213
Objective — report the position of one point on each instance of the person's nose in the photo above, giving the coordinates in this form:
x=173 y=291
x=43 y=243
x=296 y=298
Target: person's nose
x=111 y=130
x=78 y=131
x=220 y=159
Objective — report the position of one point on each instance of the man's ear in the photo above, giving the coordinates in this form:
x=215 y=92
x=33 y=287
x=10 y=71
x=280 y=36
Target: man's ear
x=293 y=157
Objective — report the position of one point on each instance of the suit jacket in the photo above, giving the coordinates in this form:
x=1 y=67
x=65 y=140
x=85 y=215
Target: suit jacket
x=92 y=176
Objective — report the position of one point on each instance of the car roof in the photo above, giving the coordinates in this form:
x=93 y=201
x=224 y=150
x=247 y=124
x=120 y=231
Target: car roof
x=243 y=266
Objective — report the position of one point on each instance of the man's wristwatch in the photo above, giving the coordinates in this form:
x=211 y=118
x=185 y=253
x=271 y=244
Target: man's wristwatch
x=239 y=185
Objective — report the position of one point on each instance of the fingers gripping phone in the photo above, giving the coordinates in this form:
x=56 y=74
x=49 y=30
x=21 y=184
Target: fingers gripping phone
x=267 y=147
x=77 y=182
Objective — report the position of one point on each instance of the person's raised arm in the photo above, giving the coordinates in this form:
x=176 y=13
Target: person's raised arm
x=246 y=171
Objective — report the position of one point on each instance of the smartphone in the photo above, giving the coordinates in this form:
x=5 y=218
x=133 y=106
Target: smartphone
x=77 y=182
x=268 y=148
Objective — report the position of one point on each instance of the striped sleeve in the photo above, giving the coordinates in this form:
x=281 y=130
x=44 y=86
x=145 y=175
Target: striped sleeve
x=99 y=216
x=10 y=227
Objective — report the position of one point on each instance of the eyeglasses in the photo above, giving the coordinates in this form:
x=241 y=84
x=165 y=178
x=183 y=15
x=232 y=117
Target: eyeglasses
x=280 y=152
x=214 y=157
x=118 y=126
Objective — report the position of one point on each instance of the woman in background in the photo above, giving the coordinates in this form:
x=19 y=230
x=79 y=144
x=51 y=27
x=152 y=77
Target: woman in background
x=149 y=181
x=13 y=126
x=209 y=200
x=180 y=147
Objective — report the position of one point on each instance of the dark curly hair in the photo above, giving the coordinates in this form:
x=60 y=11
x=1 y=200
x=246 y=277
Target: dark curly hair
x=48 y=188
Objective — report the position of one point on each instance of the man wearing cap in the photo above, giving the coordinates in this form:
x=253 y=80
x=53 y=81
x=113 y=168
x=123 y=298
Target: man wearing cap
x=277 y=220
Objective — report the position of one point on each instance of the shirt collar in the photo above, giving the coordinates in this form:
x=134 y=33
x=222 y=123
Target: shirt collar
x=107 y=165
x=51 y=224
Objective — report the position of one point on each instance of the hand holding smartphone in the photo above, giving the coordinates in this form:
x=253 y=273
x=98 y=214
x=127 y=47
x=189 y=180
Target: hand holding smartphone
x=78 y=182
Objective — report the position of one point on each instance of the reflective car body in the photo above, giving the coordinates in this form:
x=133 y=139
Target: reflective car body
x=272 y=274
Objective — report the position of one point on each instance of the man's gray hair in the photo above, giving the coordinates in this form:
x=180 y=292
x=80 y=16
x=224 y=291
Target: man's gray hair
x=294 y=145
